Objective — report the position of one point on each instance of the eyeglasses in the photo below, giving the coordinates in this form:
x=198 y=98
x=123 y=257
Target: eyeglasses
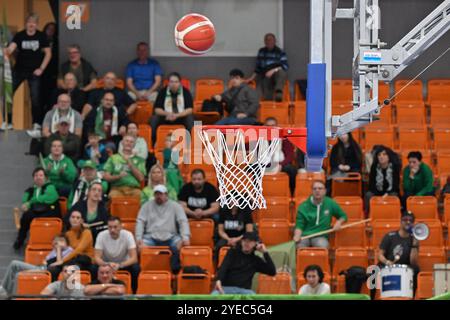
x=407 y=219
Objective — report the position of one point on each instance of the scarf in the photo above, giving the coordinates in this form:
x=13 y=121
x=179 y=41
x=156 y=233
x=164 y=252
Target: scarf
x=379 y=178
x=57 y=116
x=80 y=191
x=56 y=163
x=99 y=122
x=168 y=106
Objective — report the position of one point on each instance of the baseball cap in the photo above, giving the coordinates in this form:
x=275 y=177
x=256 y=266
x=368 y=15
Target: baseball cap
x=64 y=120
x=250 y=236
x=89 y=164
x=160 y=188
x=407 y=213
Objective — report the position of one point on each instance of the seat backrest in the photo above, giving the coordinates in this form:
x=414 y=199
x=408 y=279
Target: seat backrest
x=155 y=259
x=441 y=139
x=447 y=209
x=129 y=224
x=430 y=256
x=411 y=113
x=436 y=237
x=352 y=206
x=424 y=207
x=299 y=113
x=387 y=208
x=222 y=253
x=125 y=207
x=124 y=276
x=143 y=112
x=342 y=90
x=202 y=232
x=438 y=90
x=193 y=283
x=351 y=237
x=43 y=230
x=32 y=283
x=36 y=255
x=410 y=91
x=277 y=110
x=440 y=113
x=351 y=185
x=425 y=285
x=380 y=228
x=309 y=256
x=178 y=133
x=154 y=282
x=145 y=131
x=277 y=208
x=339 y=109
x=379 y=135
x=443 y=162
x=274 y=231
x=120 y=83
x=197 y=256
x=348 y=257
x=276 y=185
x=206 y=88
x=410 y=138
x=304 y=182
x=278 y=284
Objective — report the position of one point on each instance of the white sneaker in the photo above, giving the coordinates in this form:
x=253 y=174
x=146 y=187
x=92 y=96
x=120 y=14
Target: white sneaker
x=36 y=134
x=4 y=126
x=37 y=126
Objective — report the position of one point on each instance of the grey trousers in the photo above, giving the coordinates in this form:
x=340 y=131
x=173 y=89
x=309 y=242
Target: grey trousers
x=268 y=86
x=316 y=242
x=9 y=282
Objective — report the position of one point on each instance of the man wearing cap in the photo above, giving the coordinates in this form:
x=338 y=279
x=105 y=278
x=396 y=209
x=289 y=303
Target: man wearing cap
x=71 y=142
x=162 y=222
x=241 y=101
x=240 y=264
x=80 y=188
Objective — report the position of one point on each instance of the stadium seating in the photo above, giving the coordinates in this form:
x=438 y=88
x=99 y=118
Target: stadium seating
x=436 y=237
x=411 y=92
x=178 y=134
x=278 y=284
x=299 y=114
x=197 y=256
x=125 y=207
x=145 y=131
x=193 y=283
x=410 y=138
x=351 y=237
x=387 y=208
x=43 y=230
x=298 y=96
x=443 y=162
x=348 y=257
x=309 y=256
x=424 y=207
x=411 y=114
x=440 y=114
x=120 y=83
x=447 y=210
x=274 y=231
x=36 y=256
x=379 y=135
x=206 y=88
x=441 y=136
x=202 y=232
x=380 y=228
x=429 y=256
x=155 y=282
x=143 y=112
x=339 y=109
x=438 y=91
x=63 y=205
x=352 y=206
x=277 y=110
x=184 y=82
x=124 y=276
x=351 y=185
x=277 y=208
x=155 y=259
x=32 y=283
x=342 y=90
x=425 y=285
x=276 y=185
x=129 y=224
x=304 y=182
x=222 y=253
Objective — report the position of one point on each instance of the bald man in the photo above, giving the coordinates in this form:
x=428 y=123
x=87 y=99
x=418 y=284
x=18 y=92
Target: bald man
x=78 y=96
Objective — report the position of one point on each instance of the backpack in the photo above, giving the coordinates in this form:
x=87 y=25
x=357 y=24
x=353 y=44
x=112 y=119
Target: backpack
x=355 y=276
x=211 y=105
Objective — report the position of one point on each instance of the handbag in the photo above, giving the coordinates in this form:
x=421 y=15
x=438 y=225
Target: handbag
x=211 y=105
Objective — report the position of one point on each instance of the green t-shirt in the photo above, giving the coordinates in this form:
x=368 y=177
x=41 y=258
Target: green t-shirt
x=116 y=164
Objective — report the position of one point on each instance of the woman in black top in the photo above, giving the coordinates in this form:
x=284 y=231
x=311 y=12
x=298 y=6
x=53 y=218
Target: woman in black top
x=346 y=156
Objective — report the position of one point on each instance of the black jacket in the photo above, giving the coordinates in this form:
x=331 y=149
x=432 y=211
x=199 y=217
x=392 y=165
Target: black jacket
x=102 y=215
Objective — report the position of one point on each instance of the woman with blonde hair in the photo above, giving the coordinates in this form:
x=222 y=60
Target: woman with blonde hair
x=157 y=175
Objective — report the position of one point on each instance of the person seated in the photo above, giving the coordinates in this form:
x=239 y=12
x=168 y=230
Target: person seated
x=140 y=147
x=271 y=70
x=40 y=200
x=105 y=284
x=93 y=209
x=71 y=142
x=121 y=98
x=60 y=249
x=96 y=151
x=68 y=286
x=313 y=275
x=108 y=121
x=346 y=156
x=80 y=239
x=157 y=176
x=240 y=264
x=384 y=175
x=199 y=197
x=63 y=109
x=417 y=178
x=173 y=105
x=60 y=169
x=233 y=223
x=283 y=159
x=240 y=100
x=81 y=68
x=143 y=75
x=77 y=96
x=314 y=215
x=125 y=171
x=171 y=159
x=162 y=222
x=116 y=247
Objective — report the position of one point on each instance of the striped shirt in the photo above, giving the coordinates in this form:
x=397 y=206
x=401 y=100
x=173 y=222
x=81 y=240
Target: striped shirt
x=269 y=59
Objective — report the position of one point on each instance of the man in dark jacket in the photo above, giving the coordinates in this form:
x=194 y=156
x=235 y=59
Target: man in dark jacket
x=240 y=265
x=241 y=101
x=71 y=142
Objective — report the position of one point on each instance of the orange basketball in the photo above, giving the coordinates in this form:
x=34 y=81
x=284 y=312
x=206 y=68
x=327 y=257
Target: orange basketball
x=194 y=34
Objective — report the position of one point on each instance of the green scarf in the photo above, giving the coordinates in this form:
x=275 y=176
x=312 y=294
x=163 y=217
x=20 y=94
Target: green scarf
x=99 y=124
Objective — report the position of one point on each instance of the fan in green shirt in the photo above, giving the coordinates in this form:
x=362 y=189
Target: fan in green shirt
x=417 y=177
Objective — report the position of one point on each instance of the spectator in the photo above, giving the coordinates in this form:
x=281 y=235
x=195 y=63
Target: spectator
x=313 y=275
x=50 y=74
x=171 y=158
x=240 y=265
x=77 y=96
x=96 y=151
x=116 y=247
x=125 y=171
x=62 y=110
x=105 y=284
x=446 y=189
x=40 y=200
x=199 y=197
x=162 y=222
x=108 y=121
x=121 y=98
x=314 y=215
x=233 y=223
x=71 y=142
x=156 y=177
x=241 y=101
x=88 y=176
x=384 y=175
x=81 y=68
x=33 y=57
x=143 y=75
x=346 y=156
x=60 y=169
x=80 y=239
x=283 y=158
x=60 y=249
x=271 y=70
x=140 y=148
x=93 y=210
x=173 y=105
x=68 y=286
x=417 y=178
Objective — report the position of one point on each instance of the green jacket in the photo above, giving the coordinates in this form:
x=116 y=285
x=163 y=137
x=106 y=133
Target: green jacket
x=312 y=218
x=35 y=195
x=61 y=173
x=116 y=164
x=421 y=184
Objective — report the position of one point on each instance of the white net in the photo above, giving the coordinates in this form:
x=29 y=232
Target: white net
x=239 y=166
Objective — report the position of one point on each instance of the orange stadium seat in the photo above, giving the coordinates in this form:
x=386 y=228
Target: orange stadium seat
x=424 y=207
x=277 y=208
x=436 y=237
x=348 y=257
x=441 y=138
x=309 y=256
x=36 y=256
x=184 y=82
x=286 y=91
x=410 y=113
x=387 y=208
x=298 y=96
x=385 y=117
x=206 y=88
x=43 y=230
x=202 y=232
x=278 y=284
x=379 y=135
x=178 y=133
x=222 y=253
x=429 y=256
x=63 y=205
x=125 y=207
x=145 y=131
x=440 y=114
x=352 y=206
x=276 y=185
x=425 y=285
x=299 y=114
x=438 y=90
x=351 y=185
x=143 y=112
x=342 y=90
x=447 y=210
x=277 y=110
x=210 y=172
x=124 y=276
x=274 y=231
x=155 y=259
x=339 y=108
x=380 y=228
x=155 y=282
x=129 y=224
x=354 y=237
x=413 y=92
x=206 y=117
x=410 y=138
x=304 y=182
x=197 y=256
x=120 y=83
x=32 y=283
x=193 y=283
x=443 y=162
x=302 y=281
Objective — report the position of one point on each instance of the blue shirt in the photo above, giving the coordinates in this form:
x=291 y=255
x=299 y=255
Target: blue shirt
x=143 y=75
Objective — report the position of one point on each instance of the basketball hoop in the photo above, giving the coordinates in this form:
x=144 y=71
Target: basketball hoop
x=240 y=155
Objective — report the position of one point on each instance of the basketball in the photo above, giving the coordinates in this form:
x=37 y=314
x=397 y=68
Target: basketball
x=194 y=34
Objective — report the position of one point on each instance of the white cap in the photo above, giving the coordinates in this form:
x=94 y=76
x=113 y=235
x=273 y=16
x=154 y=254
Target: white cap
x=160 y=188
